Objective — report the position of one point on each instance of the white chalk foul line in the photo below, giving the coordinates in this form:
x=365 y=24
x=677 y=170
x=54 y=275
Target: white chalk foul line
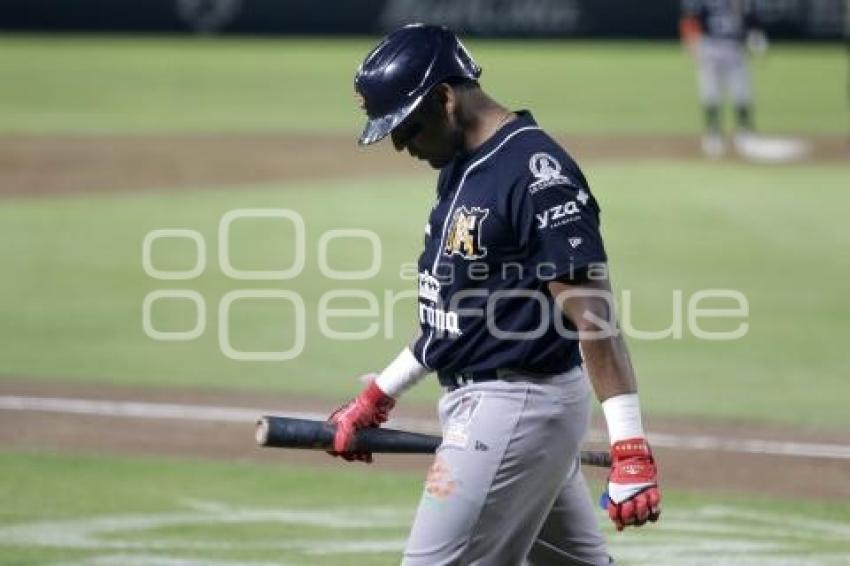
x=690 y=536
x=211 y=413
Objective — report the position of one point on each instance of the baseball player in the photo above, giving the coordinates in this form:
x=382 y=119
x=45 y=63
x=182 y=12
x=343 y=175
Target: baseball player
x=716 y=33
x=514 y=303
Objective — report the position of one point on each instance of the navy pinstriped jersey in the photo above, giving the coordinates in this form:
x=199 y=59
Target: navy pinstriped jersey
x=722 y=19
x=508 y=218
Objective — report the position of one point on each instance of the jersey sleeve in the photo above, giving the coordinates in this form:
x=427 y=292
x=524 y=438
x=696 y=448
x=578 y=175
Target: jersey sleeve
x=558 y=220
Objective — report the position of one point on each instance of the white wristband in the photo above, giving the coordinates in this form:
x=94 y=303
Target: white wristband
x=622 y=414
x=402 y=374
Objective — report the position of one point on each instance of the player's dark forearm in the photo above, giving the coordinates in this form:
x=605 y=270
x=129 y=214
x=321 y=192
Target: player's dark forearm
x=590 y=307
x=609 y=366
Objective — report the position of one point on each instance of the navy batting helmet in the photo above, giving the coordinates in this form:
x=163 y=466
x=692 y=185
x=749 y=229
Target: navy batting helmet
x=402 y=69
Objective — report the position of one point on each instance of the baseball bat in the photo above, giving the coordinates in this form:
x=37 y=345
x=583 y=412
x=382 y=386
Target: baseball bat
x=285 y=432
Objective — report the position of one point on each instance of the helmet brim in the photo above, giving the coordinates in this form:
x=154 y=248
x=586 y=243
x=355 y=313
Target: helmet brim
x=378 y=128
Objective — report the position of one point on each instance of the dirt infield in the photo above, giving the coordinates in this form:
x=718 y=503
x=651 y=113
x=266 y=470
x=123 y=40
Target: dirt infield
x=73 y=430
x=47 y=165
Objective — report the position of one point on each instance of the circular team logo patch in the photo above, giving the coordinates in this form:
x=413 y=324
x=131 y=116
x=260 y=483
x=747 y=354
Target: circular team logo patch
x=546 y=171
x=544 y=166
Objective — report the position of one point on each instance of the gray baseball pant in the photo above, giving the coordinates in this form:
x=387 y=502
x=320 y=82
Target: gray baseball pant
x=721 y=68
x=506 y=485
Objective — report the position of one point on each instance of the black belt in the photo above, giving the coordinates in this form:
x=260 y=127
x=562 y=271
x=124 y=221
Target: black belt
x=452 y=380
x=456 y=379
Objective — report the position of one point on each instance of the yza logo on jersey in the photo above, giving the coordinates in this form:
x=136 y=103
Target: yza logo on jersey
x=564 y=213
x=546 y=171
x=558 y=215
x=464 y=235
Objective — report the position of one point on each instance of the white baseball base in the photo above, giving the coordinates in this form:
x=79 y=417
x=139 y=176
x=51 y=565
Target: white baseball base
x=768 y=149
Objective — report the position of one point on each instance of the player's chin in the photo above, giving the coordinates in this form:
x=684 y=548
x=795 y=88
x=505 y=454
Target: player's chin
x=438 y=162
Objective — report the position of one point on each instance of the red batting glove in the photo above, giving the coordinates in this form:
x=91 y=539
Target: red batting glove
x=633 y=494
x=369 y=409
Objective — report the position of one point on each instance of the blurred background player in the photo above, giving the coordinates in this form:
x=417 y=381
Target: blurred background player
x=717 y=33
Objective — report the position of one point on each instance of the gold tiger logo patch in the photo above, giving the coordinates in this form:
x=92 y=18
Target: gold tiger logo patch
x=464 y=235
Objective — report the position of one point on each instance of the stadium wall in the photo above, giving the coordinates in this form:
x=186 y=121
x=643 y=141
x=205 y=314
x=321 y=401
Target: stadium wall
x=626 y=19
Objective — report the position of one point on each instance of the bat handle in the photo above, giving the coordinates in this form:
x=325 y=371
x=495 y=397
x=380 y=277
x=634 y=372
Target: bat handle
x=596 y=458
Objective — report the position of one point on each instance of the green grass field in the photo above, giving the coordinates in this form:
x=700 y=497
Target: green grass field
x=79 y=285
x=73 y=284
x=163 y=511
x=178 y=85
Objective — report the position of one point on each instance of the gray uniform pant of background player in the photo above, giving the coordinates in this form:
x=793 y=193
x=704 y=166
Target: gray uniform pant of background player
x=506 y=484
x=721 y=68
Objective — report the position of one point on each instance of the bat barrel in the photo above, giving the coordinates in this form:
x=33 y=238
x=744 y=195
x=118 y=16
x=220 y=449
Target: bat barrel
x=261 y=433
x=284 y=432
